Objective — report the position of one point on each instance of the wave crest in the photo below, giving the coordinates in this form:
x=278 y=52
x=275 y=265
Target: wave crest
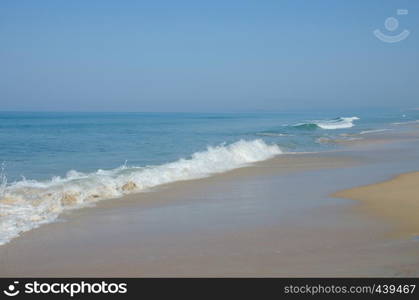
x=29 y=203
x=338 y=123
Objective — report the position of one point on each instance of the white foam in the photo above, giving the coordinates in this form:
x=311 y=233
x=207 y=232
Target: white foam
x=406 y=123
x=272 y=134
x=29 y=203
x=339 y=123
x=373 y=131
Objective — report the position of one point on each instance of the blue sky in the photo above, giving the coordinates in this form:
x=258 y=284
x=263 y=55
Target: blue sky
x=205 y=55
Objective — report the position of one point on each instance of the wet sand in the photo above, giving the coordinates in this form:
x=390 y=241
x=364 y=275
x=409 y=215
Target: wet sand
x=275 y=218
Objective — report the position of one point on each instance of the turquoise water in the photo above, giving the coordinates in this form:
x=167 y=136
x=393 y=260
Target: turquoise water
x=52 y=162
x=42 y=145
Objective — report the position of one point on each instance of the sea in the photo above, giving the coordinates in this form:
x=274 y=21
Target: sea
x=51 y=162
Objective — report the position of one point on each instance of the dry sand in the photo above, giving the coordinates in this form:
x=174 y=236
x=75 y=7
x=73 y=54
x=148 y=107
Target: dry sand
x=249 y=222
x=271 y=219
x=396 y=200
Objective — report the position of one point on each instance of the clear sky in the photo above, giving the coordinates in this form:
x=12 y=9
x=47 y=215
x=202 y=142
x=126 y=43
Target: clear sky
x=205 y=55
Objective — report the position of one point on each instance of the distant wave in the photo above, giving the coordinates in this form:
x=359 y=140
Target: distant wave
x=273 y=134
x=406 y=123
x=373 y=131
x=27 y=204
x=338 y=123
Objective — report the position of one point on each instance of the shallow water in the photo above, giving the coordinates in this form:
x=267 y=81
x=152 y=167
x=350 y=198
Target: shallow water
x=58 y=161
x=42 y=145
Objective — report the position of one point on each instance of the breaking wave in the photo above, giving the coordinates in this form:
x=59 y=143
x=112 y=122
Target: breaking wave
x=337 y=123
x=27 y=204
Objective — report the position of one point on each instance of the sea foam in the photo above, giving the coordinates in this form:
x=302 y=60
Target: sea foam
x=338 y=123
x=374 y=131
x=27 y=204
x=406 y=123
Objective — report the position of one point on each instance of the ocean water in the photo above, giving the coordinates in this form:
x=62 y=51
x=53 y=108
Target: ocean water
x=51 y=162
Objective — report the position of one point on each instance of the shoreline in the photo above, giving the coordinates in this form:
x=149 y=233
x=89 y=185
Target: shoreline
x=251 y=221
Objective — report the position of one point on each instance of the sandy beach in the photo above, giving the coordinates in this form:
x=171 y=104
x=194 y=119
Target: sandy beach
x=281 y=217
x=209 y=139
x=396 y=200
